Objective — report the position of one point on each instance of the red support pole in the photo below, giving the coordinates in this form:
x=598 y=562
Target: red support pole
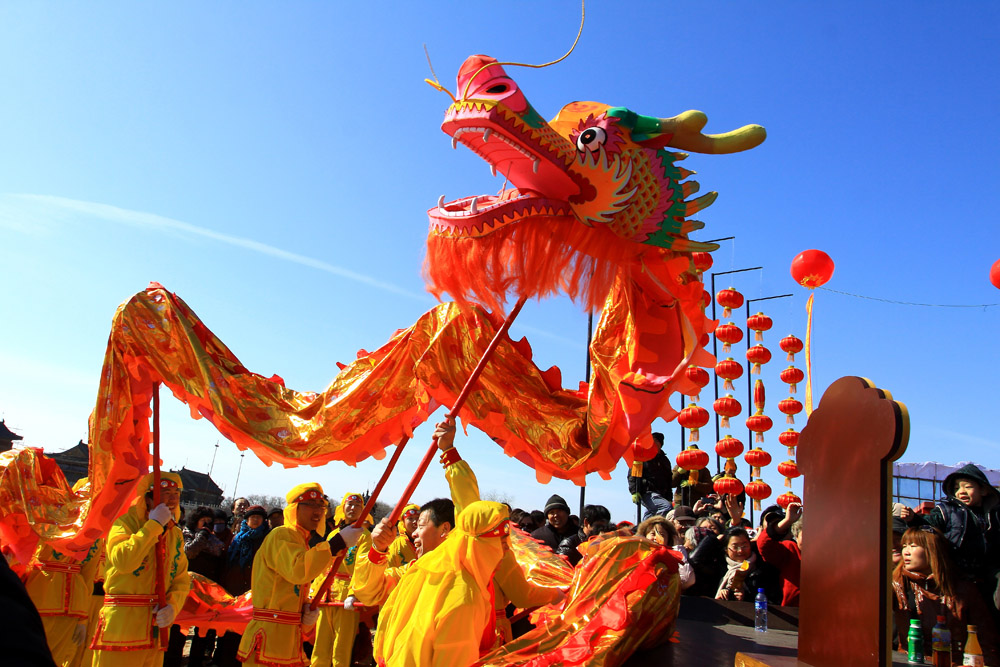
x=397 y=511
x=161 y=542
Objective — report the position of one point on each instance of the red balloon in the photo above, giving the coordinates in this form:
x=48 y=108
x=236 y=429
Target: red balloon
x=812 y=268
x=995 y=274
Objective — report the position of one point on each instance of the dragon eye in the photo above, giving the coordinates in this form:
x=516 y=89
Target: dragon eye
x=497 y=89
x=591 y=139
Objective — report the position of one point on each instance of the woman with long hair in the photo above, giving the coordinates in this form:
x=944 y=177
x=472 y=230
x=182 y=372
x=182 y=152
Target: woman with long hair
x=661 y=531
x=927 y=585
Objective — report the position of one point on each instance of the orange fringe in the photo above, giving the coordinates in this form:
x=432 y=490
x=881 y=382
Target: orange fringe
x=534 y=257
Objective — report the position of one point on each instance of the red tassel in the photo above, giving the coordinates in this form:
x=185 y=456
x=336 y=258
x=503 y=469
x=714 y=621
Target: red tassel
x=693 y=435
x=728 y=385
x=759 y=437
x=724 y=422
x=790 y=419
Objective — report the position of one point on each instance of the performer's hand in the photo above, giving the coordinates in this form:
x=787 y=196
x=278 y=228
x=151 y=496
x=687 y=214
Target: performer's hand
x=309 y=616
x=383 y=535
x=314 y=539
x=80 y=633
x=444 y=433
x=349 y=603
x=636 y=498
x=350 y=535
x=165 y=617
x=161 y=514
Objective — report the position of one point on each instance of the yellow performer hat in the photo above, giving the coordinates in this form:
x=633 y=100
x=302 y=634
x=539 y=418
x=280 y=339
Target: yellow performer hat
x=309 y=492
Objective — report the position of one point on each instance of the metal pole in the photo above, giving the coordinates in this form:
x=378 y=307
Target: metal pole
x=216 y=453
x=586 y=372
x=238 y=471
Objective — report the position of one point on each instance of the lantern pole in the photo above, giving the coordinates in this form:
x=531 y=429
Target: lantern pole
x=715 y=353
x=586 y=373
x=748 y=374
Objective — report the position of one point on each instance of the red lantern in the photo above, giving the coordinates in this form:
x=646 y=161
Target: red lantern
x=786 y=499
x=791 y=345
x=726 y=407
x=790 y=470
x=793 y=376
x=729 y=299
x=789 y=407
x=758 y=355
x=644 y=448
x=759 y=424
x=728 y=485
x=706 y=298
x=699 y=376
x=693 y=417
x=692 y=459
x=757 y=458
x=812 y=268
x=729 y=447
x=759 y=323
x=758 y=490
x=790 y=439
x=729 y=370
x=728 y=334
x=702 y=261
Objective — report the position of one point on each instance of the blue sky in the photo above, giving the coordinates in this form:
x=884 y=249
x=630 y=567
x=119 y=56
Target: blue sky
x=272 y=165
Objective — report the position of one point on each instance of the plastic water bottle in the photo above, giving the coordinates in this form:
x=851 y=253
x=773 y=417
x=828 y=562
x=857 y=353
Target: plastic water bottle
x=760 y=611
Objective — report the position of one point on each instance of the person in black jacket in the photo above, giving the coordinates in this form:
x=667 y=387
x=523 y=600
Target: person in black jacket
x=969 y=517
x=652 y=488
x=557 y=527
x=595 y=519
x=717 y=560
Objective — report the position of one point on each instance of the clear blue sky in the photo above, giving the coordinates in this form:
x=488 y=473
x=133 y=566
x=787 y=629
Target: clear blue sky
x=272 y=165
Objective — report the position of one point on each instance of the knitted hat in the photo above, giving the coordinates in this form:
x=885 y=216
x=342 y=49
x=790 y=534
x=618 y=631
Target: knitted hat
x=556 y=502
x=255 y=509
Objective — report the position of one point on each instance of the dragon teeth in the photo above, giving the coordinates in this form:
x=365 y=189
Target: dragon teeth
x=486 y=134
x=534 y=165
x=474 y=206
x=441 y=203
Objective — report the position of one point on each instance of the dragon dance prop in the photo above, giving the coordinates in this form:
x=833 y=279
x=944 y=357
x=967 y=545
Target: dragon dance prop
x=597 y=208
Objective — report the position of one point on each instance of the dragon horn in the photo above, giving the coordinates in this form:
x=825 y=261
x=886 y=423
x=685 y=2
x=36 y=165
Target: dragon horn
x=686 y=130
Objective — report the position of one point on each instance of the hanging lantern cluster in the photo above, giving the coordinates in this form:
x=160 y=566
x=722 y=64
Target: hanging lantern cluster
x=693 y=417
x=791 y=345
x=790 y=407
x=759 y=323
x=757 y=458
x=728 y=298
x=729 y=334
x=699 y=377
x=692 y=460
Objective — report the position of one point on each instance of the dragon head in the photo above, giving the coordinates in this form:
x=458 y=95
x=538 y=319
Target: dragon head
x=590 y=190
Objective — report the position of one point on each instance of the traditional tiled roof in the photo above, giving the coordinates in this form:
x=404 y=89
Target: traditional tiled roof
x=7 y=434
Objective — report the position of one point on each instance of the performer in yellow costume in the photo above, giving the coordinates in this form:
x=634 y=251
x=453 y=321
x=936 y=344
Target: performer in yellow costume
x=402 y=550
x=338 y=621
x=439 y=610
x=125 y=626
x=374 y=579
x=60 y=588
x=85 y=655
x=291 y=556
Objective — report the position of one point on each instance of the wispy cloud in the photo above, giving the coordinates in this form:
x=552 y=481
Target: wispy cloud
x=36 y=214
x=30 y=213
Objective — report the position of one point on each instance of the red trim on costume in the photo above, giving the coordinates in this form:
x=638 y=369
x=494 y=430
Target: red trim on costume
x=165 y=484
x=377 y=557
x=59 y=566
x=413 y=511
x=67 y=570
x=311 y=494
x=130 y=600
x=353 y=496
x=278 y=616
x=450 y=457
x=502 y=529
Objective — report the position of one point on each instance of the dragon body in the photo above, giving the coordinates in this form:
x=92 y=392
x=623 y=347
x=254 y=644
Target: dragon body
x=597 y=208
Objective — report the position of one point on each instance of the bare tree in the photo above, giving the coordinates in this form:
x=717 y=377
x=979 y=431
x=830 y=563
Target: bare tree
x=498 y=497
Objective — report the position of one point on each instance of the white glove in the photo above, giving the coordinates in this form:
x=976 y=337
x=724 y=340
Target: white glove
x=350 y=535
x=165 y=616
x=309 y=616
x=161 y=514
x=349 y=603
x=79 y=633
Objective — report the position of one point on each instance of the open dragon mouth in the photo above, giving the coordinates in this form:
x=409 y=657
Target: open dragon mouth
x=538 y=172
